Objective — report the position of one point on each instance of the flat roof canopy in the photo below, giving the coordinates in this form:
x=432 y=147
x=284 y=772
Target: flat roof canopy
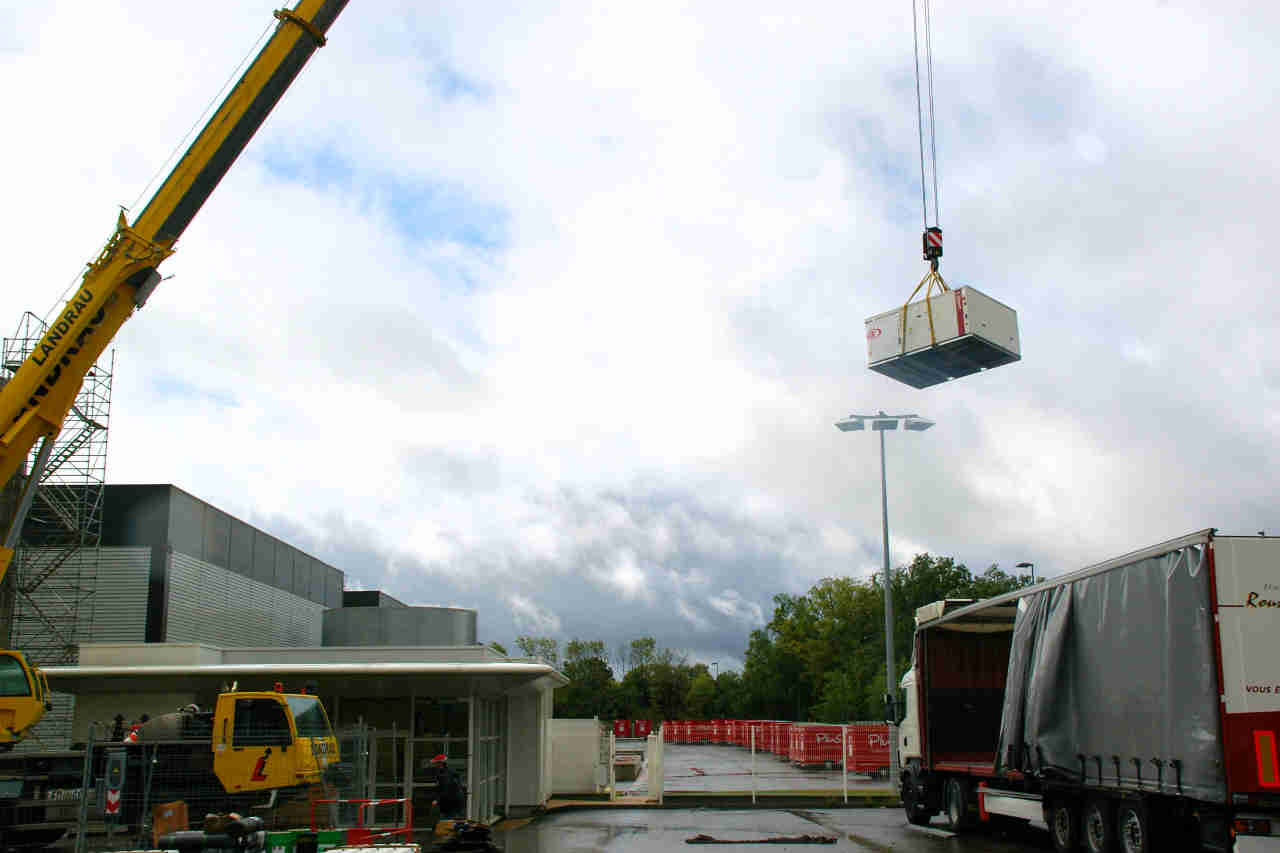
x=172 y=668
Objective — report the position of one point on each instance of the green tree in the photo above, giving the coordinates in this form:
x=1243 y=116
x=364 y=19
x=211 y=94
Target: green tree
x=583 y=650
x=822 y=653
x=699 y=702
x=591 y=691
x=546 y=648
x=669 y=679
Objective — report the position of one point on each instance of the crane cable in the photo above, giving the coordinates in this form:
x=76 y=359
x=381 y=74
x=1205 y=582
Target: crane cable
x=927 y=83
x=931 y=240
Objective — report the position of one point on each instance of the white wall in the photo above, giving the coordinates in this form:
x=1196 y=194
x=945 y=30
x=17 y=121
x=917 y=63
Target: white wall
x=575 y=756
x=527 y=739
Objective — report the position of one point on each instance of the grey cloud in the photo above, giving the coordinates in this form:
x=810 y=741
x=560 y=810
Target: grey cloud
x=707 y=593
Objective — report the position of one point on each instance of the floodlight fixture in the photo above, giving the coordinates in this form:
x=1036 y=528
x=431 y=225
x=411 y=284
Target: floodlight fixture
x=882 y=422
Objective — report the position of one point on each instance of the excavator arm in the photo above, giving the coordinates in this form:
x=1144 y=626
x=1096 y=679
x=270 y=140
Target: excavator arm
x=119 y=280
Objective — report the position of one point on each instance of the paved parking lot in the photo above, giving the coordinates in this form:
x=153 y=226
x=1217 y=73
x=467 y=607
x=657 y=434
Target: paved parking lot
x=621 y=830
x=691 y=768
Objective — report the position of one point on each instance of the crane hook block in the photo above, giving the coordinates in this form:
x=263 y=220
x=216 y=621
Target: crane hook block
x=932 y=241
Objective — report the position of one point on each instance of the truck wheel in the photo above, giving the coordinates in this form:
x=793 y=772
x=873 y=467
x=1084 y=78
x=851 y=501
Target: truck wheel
x=1064 y=826
x=1133 y=829
x=1097 y=827
x=956 y=798
x=914 y=799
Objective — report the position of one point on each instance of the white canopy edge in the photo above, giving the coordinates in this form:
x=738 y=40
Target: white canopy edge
x=530 y=670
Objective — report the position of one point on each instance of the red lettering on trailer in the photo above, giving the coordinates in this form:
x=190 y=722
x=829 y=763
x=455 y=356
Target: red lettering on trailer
x=874 y=333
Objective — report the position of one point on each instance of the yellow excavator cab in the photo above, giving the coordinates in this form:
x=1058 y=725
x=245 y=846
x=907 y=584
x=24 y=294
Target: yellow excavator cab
x=24 y=697
x=270 y=739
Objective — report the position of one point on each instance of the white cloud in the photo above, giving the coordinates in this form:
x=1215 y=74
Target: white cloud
x=532 y=619
x=530 y=304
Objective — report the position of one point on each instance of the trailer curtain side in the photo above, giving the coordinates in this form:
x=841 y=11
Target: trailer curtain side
x=1119 y=668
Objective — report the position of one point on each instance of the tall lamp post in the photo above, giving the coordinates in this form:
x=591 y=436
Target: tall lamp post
x=881 y=423
x=1032 y=567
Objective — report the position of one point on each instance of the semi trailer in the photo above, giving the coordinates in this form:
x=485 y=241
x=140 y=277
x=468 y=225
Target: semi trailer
x=1131 y=705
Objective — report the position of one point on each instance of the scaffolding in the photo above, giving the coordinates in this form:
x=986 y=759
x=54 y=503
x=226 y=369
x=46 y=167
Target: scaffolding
x=55 y=570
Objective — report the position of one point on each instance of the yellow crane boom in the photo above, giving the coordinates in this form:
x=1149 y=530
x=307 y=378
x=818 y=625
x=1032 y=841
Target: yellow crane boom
x=118 y=281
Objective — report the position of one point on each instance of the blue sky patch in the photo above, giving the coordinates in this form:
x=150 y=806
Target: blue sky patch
x=421 y=211
x=170 y=388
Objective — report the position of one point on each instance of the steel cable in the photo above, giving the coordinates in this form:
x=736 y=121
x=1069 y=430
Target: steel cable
x=921 y=111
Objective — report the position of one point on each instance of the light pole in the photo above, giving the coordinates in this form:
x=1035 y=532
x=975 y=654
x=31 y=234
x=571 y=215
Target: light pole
x=881 y=423
x=716 y=664
x=1032 y=567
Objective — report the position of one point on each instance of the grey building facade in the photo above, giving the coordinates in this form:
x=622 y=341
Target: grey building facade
x=177 y=569
x=189 y=597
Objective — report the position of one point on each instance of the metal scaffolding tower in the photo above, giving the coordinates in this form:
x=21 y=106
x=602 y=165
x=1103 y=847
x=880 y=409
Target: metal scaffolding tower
x=49 y=600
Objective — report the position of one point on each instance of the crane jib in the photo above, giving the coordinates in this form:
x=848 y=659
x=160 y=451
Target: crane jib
x=63 y=326
x=178 y=212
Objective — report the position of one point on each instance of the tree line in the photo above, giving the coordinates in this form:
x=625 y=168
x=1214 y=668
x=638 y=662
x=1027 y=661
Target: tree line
x=819 y=658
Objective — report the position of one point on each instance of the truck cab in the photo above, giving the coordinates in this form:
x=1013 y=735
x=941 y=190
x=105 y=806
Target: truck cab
x=24 y=697
x=270 y=739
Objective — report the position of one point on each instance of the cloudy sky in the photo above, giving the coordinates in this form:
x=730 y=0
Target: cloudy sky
x=548 y=309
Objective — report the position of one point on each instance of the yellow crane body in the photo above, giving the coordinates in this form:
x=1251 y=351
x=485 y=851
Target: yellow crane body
x=119 y=280
x=36 y=400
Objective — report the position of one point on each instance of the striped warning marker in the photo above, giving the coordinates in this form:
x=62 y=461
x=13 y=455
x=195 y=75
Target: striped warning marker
x=113 y=801
x=934 y=238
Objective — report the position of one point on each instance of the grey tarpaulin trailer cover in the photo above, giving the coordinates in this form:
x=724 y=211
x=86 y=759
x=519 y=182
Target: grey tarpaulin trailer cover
x=1135 y=699
x=1119 y=664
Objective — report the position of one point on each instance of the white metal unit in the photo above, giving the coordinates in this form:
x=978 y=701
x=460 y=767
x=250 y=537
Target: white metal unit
x=952 y=334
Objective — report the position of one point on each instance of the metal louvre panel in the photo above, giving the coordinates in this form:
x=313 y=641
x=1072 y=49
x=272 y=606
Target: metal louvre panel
x=120 y=603
x=118 y=615
x=211 y=605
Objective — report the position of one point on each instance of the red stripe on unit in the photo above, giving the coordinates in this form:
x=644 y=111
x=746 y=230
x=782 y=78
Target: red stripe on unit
x=959 y=313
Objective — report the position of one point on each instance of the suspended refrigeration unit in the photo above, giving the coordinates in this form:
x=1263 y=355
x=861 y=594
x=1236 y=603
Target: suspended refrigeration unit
x=952 y=333
x=946 y=335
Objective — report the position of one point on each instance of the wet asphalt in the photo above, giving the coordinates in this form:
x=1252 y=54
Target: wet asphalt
x=712 y=768
x=703 y=771
x=646 y=830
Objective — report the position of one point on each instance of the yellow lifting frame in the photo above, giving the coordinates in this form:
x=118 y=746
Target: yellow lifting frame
x=931 y=278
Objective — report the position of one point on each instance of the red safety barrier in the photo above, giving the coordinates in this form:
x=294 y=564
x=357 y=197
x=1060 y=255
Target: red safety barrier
x=781 y=739
x=815 y=743
x=868 y=748
x=641 y=728
x=362 y=834
x=622 y=728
